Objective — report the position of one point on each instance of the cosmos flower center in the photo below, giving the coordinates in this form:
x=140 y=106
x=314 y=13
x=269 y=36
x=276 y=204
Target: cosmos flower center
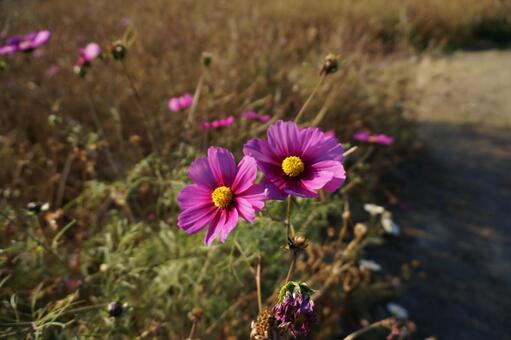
x=293 y=166
x=222 y=197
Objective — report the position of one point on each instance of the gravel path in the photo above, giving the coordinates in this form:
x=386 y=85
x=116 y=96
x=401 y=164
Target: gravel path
x=459 y=219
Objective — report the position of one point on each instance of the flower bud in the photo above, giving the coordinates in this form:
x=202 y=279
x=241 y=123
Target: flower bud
x=298 y=242
x=206 y=59
x=115 y=309
x=196 y=314
x=119 y=50
x=330 y=65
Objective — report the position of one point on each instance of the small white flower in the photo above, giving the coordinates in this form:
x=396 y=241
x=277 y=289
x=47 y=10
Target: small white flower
x=397 y=310
x=389 y=225
x=373 y=209
x=369 y=265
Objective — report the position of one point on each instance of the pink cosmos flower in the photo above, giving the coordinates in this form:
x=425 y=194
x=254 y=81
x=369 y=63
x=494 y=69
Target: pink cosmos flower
x=298 y=161
x=221 y=193
x=365 y=136
x=177 y=104
x=251 y=115
x=219 y=123
x=25 y=43
x=88 y=54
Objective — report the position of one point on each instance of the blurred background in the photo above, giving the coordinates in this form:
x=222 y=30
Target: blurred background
x=109 y=157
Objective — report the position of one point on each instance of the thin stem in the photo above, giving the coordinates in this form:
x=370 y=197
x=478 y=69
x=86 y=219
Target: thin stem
x=350 y=151
x=193 y=330
x=345 y=220
x=99 y=127
x=147 y=121
x=196 y=96
x=258 y=285
x=291 y=266
x=307 y=102
x=382 y=323
x=63 y=179
x=290 y=229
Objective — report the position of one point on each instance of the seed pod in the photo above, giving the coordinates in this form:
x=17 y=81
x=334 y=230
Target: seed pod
x=119 y=50
x=330 y=65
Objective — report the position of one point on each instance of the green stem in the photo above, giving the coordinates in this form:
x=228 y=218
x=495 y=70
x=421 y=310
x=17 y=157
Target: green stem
x=311 y=96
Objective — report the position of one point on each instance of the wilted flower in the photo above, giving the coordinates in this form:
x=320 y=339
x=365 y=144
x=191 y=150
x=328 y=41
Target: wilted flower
x=219 y=123
x=221 y=193
x=177 y=104
x=295 y=313
x=25 y=43
x=365 y=136
x=298 y=161
x=251 y=115
x=263 y=328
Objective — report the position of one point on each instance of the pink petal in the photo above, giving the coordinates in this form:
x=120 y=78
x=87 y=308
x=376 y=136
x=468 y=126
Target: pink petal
x=230 y=223
x=260 y=150
x=174 y=105
x=283 y=139
x=215 y=227
x=222 y=164
x=255 y=195
x=194 y=195
x=245 y=176
x=91 y=51
x=200 y=173
x=321 y=173
x=194 y=219
x=245 y=209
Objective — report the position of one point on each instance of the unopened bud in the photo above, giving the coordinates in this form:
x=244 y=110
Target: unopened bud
x=298 y=242
x=196 y=314
x=119 y=50
x=115 y=309
x=206 y=59
x=330 y=65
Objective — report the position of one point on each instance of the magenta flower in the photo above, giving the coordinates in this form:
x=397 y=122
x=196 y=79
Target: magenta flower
x=251 y=115
x=219 y=123
x=177 y=104
x=221 y=193
x=88 y=54
x=298 y=161
x=365 y=136
x=25 y=43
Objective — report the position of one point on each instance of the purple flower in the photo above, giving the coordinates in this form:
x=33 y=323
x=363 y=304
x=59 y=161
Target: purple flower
x=219 y=123
x=221 y=193
x=298 y=161
x=365 y=136
x=295 y=312
x=251 y=115
x=177 y=104
x=88 y=54
x=25 y=43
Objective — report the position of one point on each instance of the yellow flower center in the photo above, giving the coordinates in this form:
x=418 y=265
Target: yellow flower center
x=222 y=197
x=292 y=166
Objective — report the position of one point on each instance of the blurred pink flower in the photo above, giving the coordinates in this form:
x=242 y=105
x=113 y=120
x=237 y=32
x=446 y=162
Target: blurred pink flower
x=52 y=70
x=88 y=54
x=219 y=123
x=25 y=43
x=177 y=104
x=251 y=115
x=365 y=136
x=330 y=133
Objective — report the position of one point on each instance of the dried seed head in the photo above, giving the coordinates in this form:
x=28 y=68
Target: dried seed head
x=298 y=242
x=264 y=327
x=119 y=50
x=330 y=65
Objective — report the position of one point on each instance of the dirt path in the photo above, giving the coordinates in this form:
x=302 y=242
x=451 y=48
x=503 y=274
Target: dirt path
x=459 y=221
